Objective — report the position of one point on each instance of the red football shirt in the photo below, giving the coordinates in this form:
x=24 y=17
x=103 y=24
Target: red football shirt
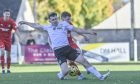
x=6 y=28
x=70 y=39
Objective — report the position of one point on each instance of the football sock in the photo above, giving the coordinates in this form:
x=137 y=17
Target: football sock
x=60 y=75
x=81 y=77
x=94 y=71
x=2 y=62
x=8 y=62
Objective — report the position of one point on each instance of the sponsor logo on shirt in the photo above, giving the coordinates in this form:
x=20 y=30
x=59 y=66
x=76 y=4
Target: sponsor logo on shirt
x=5 y=29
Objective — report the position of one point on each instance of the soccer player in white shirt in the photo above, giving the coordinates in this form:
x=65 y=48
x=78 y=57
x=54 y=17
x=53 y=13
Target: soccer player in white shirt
x=57 y=32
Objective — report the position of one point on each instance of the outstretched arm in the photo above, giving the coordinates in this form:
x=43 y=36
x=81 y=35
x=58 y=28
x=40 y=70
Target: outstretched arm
x=81 y=31
x=34 y=25
x=84 y=31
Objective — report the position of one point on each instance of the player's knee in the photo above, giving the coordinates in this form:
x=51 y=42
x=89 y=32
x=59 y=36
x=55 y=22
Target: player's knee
x=80 y=59
x=83 y=61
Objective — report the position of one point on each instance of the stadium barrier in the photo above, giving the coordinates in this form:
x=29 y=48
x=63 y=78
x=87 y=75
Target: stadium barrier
x=97 y=52
x=39 y=54
x=106 y=52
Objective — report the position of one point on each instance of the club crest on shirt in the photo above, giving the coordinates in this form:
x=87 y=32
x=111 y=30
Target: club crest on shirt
x=58 y=28
x=1 y=24
x=7 y=26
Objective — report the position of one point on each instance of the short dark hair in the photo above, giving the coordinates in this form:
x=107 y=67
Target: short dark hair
x=65 y=14
x=52 y=14
x=6 y=10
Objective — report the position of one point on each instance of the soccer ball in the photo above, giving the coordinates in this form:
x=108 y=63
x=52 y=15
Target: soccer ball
x=73 y=70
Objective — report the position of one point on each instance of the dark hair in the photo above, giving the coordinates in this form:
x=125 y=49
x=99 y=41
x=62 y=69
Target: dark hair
x=65 y=14
x=52 y=14
x=6 y=10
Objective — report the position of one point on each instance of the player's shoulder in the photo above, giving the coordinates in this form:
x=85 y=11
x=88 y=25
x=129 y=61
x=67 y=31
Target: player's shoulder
x=63 y=23
x=46 y=26
x=11 y=20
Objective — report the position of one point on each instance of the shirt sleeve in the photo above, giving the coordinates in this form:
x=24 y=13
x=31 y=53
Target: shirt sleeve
x=13 y=23
x=45 y=27
x=69 y=26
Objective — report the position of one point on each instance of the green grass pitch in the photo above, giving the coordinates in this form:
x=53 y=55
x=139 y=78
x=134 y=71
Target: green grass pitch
x=46 y=74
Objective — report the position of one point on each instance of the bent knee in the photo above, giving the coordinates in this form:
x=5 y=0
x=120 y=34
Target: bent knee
x=80 y=59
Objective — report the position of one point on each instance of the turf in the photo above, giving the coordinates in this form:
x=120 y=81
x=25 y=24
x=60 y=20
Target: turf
x=46 y=74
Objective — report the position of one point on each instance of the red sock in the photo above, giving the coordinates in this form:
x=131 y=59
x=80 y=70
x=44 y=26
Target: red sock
x=2 y=62
x=8 y=62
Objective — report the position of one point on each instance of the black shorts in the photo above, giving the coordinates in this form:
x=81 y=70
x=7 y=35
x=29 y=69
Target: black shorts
x=64 y=53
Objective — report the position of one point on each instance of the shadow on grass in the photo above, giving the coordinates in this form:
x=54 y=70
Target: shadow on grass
x=116 y=77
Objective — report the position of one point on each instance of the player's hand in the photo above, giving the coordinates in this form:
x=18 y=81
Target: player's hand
x=21 y=22
x=95 y=33
x=92 y=32
x=86 y=39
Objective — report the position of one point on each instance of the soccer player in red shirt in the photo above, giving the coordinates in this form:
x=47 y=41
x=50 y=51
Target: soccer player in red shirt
x=7 y=25
x=66 y=16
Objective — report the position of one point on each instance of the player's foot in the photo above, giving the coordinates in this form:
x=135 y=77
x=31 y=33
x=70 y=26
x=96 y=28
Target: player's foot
x=81 y=77
x=88 y=72
x=8 y=71
x=3 y=71
x=60 y=76
x=104 y=76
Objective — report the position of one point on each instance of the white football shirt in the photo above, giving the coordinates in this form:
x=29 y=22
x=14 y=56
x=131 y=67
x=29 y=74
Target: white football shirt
x=58 y=34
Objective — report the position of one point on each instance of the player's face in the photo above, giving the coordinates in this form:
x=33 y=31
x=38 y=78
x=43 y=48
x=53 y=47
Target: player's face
x=53 y=19
x=67 y=18
x=6 y=14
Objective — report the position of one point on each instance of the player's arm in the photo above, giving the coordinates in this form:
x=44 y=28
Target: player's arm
x=83 y=31
x=85 y=37
x=15 y=28
x=16 y=31
x=78 y=30
x=34 y=25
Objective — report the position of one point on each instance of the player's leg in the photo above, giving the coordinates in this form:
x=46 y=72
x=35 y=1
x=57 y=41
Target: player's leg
x=61 y=58
x=8 y=49
x=80 y=59
x=8 y=61
x=80 y=75
x=2 y=48
x=75 y=46
x=64 y=71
